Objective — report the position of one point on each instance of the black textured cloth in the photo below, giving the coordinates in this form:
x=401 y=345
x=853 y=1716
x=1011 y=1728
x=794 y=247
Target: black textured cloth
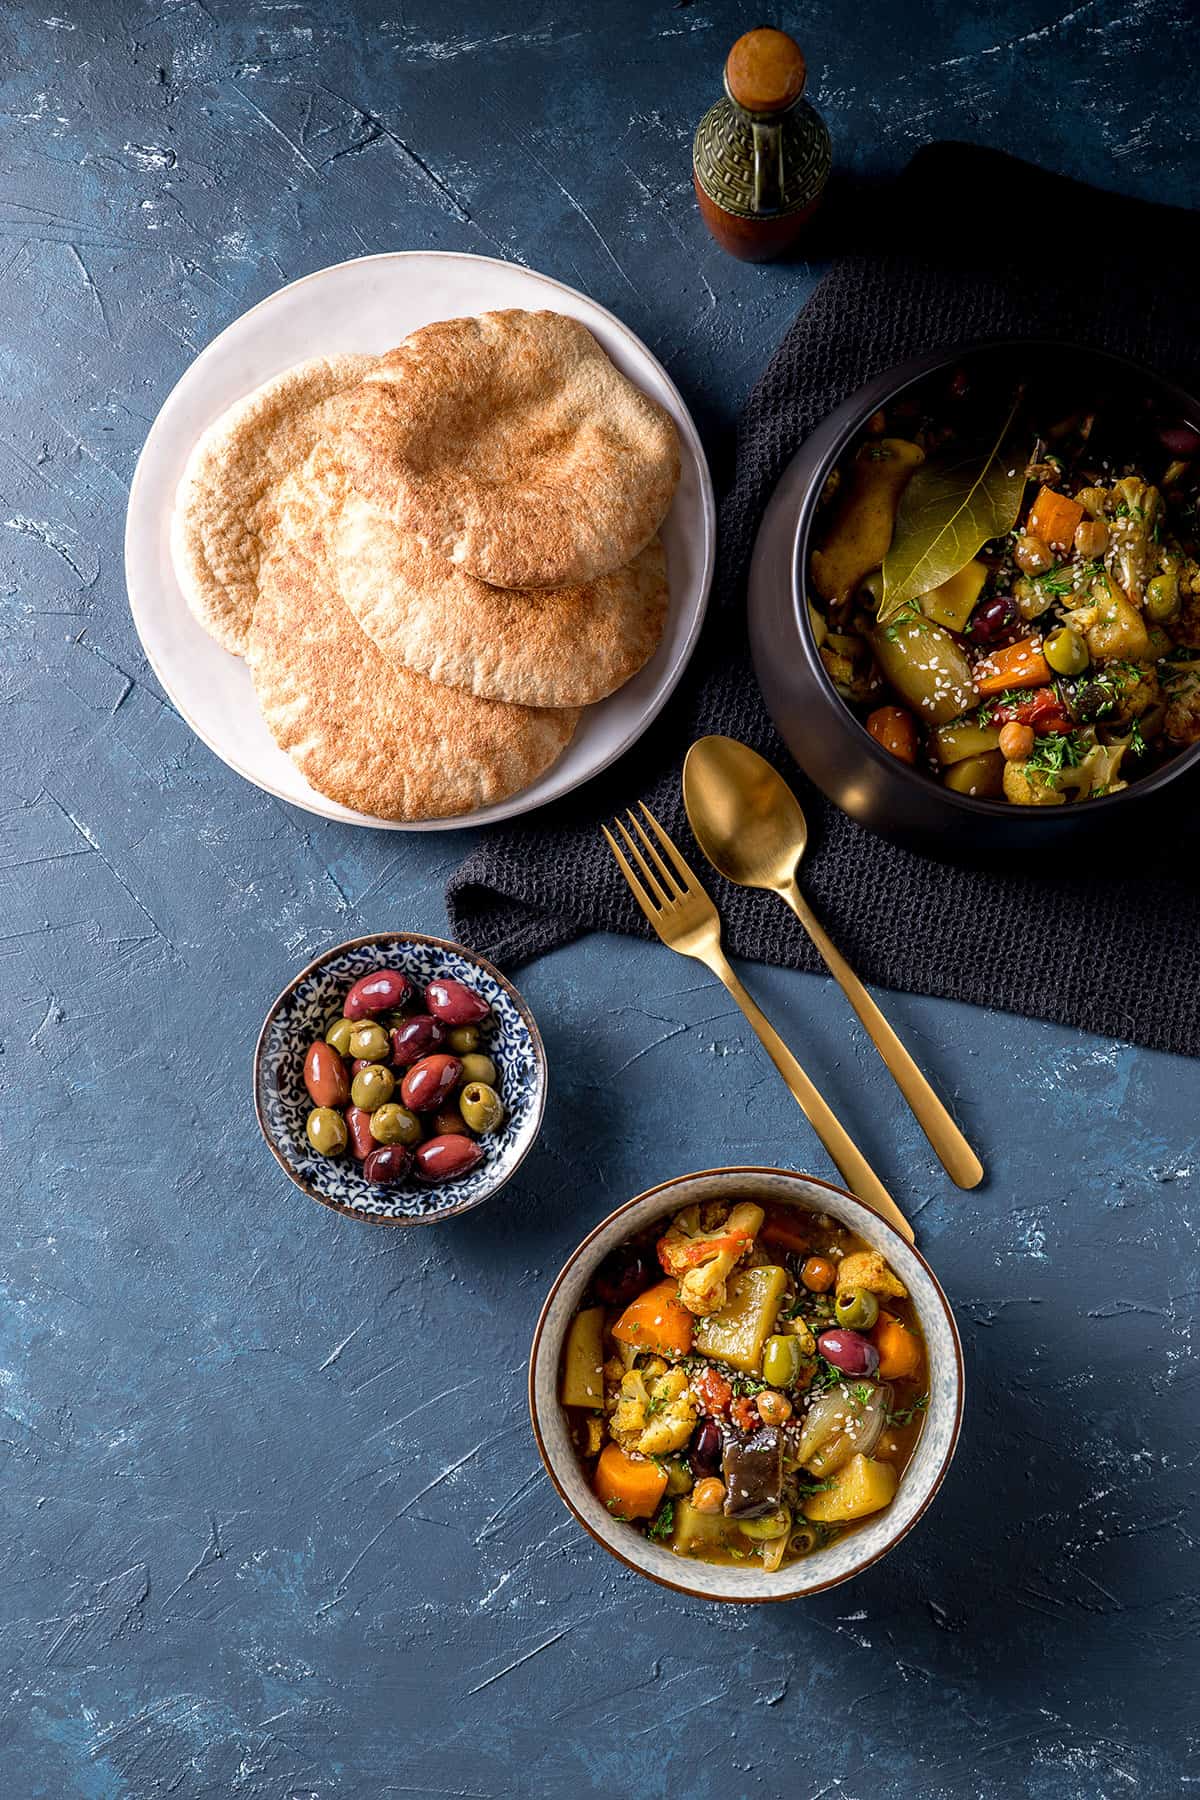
x=956 y=254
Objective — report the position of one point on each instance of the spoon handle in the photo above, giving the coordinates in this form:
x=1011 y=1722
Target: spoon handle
x=859 y=1176
x=955 y=1154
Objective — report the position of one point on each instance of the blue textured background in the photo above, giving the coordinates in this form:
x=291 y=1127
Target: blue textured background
x=273 y=1522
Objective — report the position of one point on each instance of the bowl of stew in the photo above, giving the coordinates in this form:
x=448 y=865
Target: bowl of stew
x=745 y=1385
x=975 y=600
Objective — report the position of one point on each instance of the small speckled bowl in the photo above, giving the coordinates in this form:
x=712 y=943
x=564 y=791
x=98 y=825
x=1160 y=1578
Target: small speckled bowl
x=846 y=1556
x=310 y=1003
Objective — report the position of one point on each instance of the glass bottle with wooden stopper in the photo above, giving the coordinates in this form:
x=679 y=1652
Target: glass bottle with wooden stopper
x=762 y=155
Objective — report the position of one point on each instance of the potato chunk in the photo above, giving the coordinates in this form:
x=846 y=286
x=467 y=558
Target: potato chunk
x=583 y=1360
x=861 y=1487
x=737 y=1333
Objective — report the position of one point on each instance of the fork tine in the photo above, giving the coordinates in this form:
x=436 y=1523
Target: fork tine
x=649 y=878
x=635 y=886
x=685 y=875
x=669 y=878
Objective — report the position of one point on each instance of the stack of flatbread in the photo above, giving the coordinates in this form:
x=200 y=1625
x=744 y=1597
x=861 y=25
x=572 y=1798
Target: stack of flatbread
x=431 y=560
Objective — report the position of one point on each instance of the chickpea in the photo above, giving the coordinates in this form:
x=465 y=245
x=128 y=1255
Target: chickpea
x=1016 y=741
x=1032 y=556
x=818 y=1274
x=774 y=1409
x=708 y=1496
x=1091 y=538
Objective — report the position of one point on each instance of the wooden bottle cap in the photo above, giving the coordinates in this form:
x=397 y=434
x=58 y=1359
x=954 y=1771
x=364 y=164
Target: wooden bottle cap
x=765 y=71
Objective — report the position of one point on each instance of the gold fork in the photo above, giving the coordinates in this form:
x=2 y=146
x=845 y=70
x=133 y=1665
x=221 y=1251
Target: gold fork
x=686 y=920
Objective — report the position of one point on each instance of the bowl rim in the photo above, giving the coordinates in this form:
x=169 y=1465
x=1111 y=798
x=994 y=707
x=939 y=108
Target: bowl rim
x=680 y=1587
x=851 y=414
x=436 y=943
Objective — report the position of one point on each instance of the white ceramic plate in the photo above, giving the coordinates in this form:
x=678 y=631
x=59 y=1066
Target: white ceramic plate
x=369 y=305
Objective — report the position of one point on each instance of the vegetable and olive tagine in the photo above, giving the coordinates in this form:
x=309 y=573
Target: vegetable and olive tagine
x=749 y=1386
x=393 y=1041
x=1015 y=607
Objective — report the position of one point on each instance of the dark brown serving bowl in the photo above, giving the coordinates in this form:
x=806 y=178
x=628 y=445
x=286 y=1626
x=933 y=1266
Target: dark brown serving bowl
x=830 y=742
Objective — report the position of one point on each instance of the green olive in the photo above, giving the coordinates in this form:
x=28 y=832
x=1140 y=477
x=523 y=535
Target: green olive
x=480 y=1106
x=781 y=1361
x=326 y=1131
x=369 y=1042
x=1066 y=652
x=462 y=1039
x=479 y=1068
x=805 y=1539
x=679 y=1477
x=392 y=1123
x=1162 y=597
x=339 y=1034
x=372 y=1087
x=774 y=1525
x=857 y=1309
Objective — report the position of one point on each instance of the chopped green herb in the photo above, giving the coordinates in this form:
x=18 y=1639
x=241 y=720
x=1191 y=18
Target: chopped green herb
x=664 y=1521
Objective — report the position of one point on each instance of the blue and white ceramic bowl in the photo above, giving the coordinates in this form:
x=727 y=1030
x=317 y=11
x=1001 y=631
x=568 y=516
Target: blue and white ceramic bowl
x=845 y=1556
x=303 y=1012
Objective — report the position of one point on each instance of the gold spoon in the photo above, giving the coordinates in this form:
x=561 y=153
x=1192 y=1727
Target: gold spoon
x=750 y=826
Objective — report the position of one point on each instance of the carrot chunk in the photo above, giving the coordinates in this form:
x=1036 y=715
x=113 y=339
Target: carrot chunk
x=656 y=1321
x=629 y=1489
x=1019 y=665
x=1053 y=518
x=899 y=1349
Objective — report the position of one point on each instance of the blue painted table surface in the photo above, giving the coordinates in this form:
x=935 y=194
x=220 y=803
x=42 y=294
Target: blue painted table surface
x=273 y=1523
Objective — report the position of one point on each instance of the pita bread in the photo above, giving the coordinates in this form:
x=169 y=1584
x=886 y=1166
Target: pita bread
x=226 y=505
x=510 y=445
x=364 y=731
x=562 y=646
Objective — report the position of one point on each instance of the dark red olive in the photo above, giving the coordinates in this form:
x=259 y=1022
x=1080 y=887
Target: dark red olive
x=704 y=1452
x=454 y=1003
x=376 y=993
x=417 y=1037
x=1180 y=440
x=358 y=1124
x=325 y=1075
x=622 y=1276
x=849 y=1351
x=429 y=1082
x=992 y=618
x=388 y=1163
x=446 y=1158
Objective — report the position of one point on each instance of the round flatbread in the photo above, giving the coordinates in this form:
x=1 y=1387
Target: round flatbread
x=226 y=505
x=366 y=731
x=509 y=444
x=561 y=646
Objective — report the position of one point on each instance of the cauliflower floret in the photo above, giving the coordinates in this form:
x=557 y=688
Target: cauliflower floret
x=1026 y=786
x=1181 y=724
x=867 y=1269
x=671 y=1415
x=702 y=1259
x=656 y=1413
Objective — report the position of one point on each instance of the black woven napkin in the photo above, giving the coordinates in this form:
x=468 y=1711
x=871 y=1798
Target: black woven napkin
x=967 y=244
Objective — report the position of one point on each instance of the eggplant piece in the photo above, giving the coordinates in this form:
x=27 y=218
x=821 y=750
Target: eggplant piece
x=753 y=1471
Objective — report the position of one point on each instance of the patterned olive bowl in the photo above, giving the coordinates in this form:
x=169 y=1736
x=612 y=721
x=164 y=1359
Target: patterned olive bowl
x=846 y=1556
x=307 y=1007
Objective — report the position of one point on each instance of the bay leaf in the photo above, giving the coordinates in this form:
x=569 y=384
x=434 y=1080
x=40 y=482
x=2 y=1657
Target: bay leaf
x=949 y=510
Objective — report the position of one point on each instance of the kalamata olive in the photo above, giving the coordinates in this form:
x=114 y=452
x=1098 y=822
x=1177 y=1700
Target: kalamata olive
x=358 y=1127
x=325 y=1075
x=622 y=1276
x=417 y=1037
x=446 y=1158
x=1180 y=440
x=992 y=618
x=454 y=1003
x=849 y=1351
x=376 y=993
x=429 y=1082
x=704 y=1452
x=388 y=1163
